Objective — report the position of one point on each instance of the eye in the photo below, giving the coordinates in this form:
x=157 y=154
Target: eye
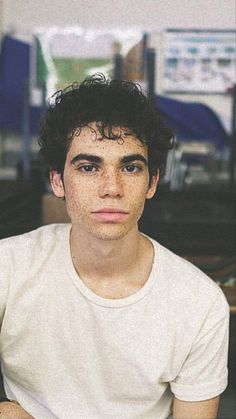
x=132 y=168
x=87 y=168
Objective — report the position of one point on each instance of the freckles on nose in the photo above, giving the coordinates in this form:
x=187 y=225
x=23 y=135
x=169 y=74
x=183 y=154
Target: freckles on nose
x=112 y=178
x=111 y=183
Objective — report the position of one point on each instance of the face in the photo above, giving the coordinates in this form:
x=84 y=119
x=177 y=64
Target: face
x=105 y=184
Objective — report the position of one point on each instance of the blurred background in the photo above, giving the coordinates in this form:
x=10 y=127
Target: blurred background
x=181 y=52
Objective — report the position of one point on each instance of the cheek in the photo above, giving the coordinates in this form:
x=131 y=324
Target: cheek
x=135 y=193
x=137 y=197
x=78 y=196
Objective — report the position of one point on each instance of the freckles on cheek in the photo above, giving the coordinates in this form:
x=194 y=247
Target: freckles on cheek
x=79 y=199
x=71 y=195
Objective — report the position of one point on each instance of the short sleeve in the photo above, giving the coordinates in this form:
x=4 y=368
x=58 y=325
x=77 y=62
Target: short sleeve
x=204 y=373
x=5 y=273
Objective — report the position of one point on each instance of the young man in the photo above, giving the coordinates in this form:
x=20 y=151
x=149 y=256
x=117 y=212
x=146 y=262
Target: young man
x=99 y=320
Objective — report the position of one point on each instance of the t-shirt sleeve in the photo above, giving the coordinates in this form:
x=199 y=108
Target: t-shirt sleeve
x=204 y=372
x=5 y=273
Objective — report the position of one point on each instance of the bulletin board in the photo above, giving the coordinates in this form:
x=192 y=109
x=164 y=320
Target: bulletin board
x=199 y=61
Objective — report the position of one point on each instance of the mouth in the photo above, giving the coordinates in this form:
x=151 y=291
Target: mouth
x=110 y=214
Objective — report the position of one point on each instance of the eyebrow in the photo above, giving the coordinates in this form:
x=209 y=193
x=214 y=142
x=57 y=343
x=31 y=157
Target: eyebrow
x=89 y=157
x=96 y=159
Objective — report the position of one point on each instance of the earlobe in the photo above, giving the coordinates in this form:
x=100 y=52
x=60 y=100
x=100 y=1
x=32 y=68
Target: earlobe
x=57 y=184
x=152 y=188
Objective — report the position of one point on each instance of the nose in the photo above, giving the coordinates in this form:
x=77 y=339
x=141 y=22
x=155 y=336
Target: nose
x=110 y=185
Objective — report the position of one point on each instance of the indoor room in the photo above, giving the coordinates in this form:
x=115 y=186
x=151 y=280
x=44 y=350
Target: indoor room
x=155 y=81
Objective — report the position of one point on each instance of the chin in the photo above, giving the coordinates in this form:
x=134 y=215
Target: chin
x=111 y=233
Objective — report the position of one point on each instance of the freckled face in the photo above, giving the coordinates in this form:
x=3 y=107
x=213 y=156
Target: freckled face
x=105 y=184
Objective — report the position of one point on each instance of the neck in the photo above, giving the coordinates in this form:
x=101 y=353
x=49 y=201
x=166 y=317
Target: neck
x=98 y=258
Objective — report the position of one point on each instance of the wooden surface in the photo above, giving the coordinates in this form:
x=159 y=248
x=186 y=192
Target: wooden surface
x=53 y=210
x=230 y=293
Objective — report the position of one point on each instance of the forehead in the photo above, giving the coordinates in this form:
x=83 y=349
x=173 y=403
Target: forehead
x=88 y=140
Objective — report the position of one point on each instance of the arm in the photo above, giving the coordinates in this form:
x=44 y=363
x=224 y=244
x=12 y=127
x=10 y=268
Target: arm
x=203 y=375
x=13 y=410
x=206 y=409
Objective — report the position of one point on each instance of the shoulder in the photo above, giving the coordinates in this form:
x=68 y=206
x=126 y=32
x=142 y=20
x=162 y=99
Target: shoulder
x=186 y=283
x=32 y=244
x=25 y=256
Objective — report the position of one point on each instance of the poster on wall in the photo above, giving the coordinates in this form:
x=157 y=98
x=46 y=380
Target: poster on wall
x=199 y=61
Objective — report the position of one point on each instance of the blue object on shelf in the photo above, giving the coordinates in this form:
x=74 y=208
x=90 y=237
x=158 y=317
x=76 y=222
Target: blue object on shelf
x=193 y=121
x=14 y=73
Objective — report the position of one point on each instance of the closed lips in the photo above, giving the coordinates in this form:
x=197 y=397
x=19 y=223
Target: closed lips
x=110 y=210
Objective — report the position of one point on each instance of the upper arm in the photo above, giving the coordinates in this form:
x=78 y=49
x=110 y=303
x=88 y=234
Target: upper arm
x=206 y=409
x=203 y=374
x=5 y=272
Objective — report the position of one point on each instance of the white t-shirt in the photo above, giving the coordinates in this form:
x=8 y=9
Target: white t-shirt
x=68 y=353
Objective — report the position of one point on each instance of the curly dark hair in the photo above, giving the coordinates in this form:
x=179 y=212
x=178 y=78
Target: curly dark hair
x=110 y=103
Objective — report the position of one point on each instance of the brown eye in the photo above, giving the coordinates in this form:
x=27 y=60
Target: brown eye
x=87 y=168
x=132 y=168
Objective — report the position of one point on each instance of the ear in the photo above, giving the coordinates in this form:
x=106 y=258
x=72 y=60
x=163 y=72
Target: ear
x=57 y=184
x=152 y=188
